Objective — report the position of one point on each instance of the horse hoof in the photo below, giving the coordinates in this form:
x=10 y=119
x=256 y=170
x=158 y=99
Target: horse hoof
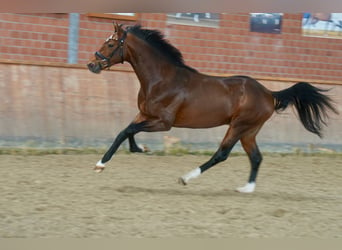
x=98 y=169
x=181 y=181
x=140 y=149
x=144 y=148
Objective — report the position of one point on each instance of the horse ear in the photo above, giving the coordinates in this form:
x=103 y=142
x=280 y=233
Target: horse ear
x=116 y=26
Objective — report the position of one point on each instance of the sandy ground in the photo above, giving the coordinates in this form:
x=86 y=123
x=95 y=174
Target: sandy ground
x=138 y=196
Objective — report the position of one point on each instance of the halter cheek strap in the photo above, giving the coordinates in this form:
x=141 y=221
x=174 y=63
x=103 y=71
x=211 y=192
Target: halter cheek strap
x=120 y=48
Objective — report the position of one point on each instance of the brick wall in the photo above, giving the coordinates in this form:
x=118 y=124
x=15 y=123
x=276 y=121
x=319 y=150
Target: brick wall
x=229 y=49
x=33 y=37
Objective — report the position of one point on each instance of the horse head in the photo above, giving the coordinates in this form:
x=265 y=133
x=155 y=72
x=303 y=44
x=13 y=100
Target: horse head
x=111 y=51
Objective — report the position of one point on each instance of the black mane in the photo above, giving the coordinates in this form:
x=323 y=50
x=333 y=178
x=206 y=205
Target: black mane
x=157 y=40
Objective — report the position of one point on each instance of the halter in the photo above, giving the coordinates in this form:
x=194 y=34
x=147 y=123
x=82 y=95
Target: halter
x=120 y=47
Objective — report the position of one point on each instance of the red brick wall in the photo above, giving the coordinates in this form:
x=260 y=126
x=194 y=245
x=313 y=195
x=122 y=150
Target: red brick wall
x=34 y=37
x=229 y=49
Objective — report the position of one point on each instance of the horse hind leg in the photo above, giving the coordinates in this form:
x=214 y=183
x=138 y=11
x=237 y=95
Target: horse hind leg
x=247 y=136
x=255 y=158
x=221 y=154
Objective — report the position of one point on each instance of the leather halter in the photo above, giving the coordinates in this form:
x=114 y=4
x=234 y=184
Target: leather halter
x=119 y=48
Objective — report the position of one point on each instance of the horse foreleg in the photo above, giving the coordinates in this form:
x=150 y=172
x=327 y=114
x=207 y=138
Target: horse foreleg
x=128 y=132
x=134 y=147
x=141 y=123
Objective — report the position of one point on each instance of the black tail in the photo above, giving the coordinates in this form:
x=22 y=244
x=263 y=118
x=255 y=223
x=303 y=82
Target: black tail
x=312 y=106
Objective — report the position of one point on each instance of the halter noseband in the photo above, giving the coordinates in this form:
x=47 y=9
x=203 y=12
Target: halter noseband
x=120 y=47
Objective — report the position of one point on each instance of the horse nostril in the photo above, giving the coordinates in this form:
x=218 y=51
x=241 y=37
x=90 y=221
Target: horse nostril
x=91 y=65
x=94 y=67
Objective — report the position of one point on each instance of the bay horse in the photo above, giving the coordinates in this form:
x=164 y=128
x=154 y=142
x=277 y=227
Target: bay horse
x=173 y=94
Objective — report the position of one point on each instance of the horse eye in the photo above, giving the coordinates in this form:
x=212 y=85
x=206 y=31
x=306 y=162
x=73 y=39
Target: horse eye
x=110 y=45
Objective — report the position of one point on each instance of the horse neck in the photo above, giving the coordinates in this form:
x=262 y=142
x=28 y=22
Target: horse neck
x=149 y=66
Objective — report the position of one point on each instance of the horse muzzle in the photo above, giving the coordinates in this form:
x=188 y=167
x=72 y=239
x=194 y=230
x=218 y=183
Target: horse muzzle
x=94 y=67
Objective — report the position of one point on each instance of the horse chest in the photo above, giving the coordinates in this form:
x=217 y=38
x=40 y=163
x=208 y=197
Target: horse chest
x=149 y=107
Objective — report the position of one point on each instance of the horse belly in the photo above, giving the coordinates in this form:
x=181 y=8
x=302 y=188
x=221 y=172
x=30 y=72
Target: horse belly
x=202 y=116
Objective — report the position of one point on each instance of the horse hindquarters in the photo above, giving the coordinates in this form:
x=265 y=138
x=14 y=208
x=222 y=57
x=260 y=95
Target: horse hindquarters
x=253 y=109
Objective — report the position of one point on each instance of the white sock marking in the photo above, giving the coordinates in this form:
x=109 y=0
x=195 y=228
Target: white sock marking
x=100 y=164
x=192 y=174
x=142 y=147
x=248 y=188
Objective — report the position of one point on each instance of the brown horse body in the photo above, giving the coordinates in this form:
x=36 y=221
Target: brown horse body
x=175 y=95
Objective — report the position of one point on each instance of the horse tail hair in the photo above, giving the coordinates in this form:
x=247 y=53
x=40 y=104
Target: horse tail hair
x=310 y=102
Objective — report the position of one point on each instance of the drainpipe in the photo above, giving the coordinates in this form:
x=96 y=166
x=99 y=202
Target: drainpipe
x=74 y=23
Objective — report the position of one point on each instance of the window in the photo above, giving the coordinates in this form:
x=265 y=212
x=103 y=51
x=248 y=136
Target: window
x=266 y=22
